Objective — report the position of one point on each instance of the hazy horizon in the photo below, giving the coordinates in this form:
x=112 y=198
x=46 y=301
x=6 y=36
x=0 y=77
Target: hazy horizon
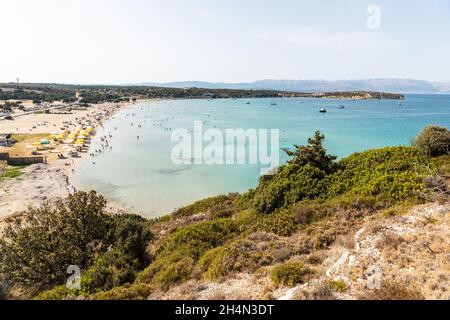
x=118 y=42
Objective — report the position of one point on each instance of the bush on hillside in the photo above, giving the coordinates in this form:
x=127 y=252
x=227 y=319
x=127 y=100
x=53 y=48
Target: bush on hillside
x=126 y=292
x=433 y=140
x=303 y=178
x=3 y=293
x=313 y=154
x=393 y=290
x=289 y=274
x=179 y=252
x=393 y=172
x=292 y=184
x=39 y=245
x=129 y=236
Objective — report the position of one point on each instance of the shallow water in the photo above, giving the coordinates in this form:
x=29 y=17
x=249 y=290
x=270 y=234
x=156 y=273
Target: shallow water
x=139 y=173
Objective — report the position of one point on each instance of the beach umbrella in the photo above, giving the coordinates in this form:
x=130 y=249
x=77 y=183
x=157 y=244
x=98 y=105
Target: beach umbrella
x=45 y=141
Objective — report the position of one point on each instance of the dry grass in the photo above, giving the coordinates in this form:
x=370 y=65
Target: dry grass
x=390 y=240
x=393 y=290
x=24 y=140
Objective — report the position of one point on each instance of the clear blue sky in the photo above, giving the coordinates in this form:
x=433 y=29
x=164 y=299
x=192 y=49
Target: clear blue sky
x=127 y=41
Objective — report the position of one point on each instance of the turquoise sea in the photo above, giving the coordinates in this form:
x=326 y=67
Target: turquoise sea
x=139 y=173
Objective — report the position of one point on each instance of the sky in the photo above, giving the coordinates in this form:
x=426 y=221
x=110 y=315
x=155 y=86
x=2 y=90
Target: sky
x=132 y=41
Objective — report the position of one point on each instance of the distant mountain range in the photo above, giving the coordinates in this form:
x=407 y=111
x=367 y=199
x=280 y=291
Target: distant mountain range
x=381 y=85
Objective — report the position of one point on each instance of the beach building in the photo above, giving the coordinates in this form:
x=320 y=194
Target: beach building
x=6 y=141
x=5 y=114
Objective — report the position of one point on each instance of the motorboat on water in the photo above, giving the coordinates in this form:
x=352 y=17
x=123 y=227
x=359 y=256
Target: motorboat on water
x=323 y=110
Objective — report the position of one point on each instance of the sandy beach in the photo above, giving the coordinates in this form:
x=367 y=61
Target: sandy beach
x=57 y=119
x=47 y=182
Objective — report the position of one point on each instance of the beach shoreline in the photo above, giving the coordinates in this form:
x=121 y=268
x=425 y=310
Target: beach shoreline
x=40 y=183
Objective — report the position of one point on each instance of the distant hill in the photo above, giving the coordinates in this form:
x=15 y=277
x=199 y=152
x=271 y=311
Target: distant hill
x=380 y=85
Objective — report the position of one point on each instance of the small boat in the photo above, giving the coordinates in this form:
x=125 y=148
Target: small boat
x=341 y=107
x=323 y=110
x=273 y=103
x=248 y=103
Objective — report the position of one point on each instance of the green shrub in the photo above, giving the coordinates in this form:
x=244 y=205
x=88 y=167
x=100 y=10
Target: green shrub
x=175 y=260
x=393 y=290
x=3 y=291
x=289 y=274
x=11 y=173
x=394 y=172
x=245 y=255
x=245 y=201
x=358 y=202
x=206 y=205
x=433 y=140
x=282 y=223
x=126 y=292
x=313 y=154
x=300 y=180
x=399 y=208
x=322 y=240
x=303 y=214
x=128 y=236
x=175 y=273
x=38 y=246
x=58 y=293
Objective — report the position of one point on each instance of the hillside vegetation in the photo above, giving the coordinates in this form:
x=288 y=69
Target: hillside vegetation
x=316 y=229
x=47 y=92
